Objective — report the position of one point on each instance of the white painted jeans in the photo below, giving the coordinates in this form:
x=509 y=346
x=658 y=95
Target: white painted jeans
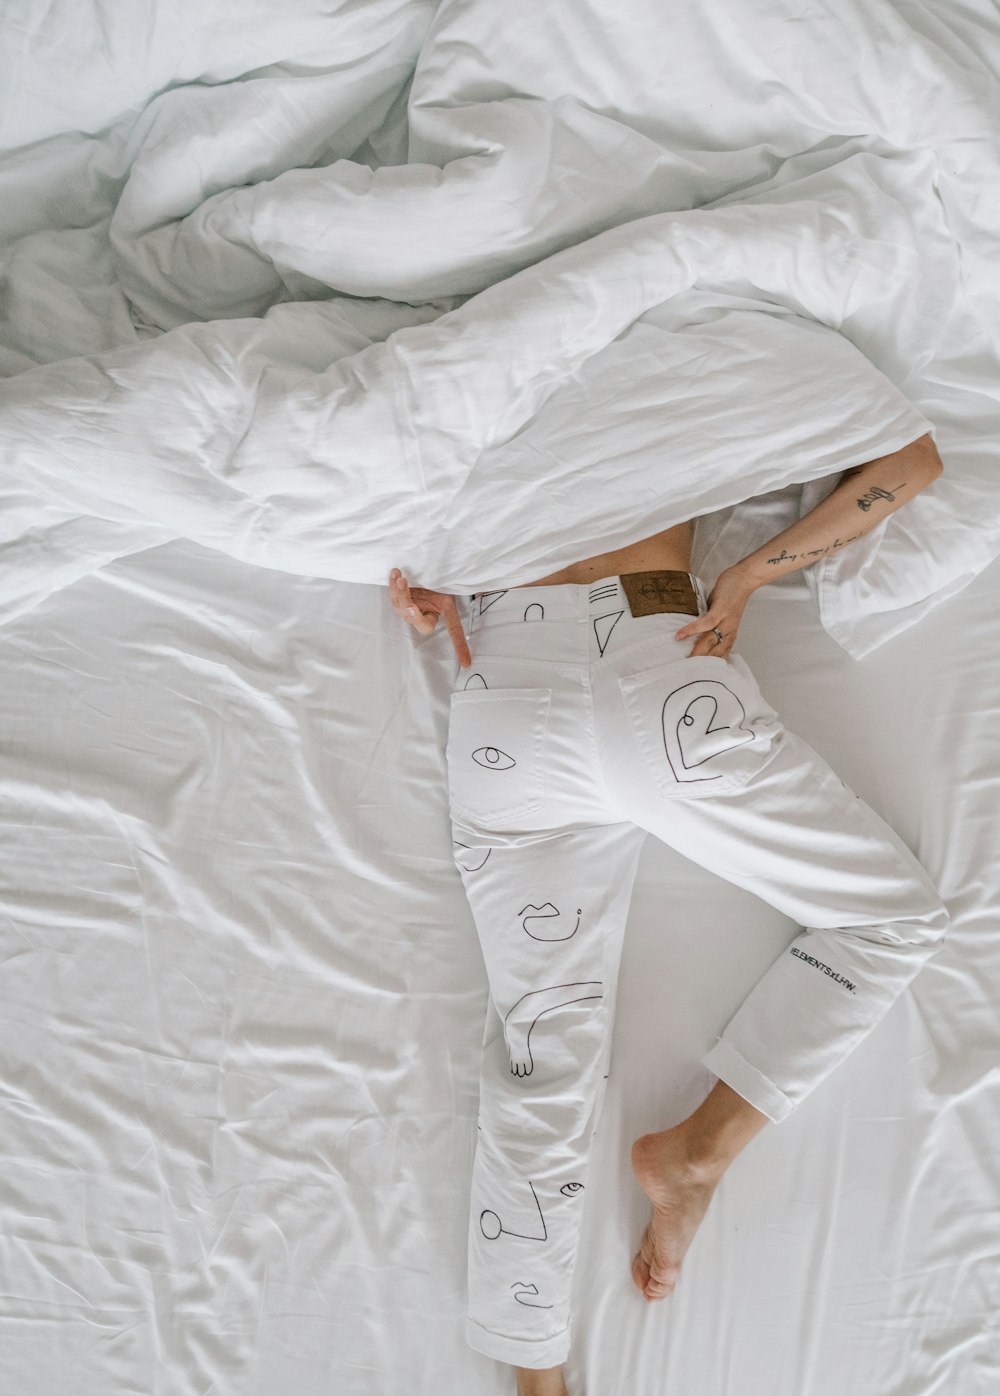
x=578 y=730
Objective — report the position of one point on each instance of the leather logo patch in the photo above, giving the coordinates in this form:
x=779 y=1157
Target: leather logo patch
x=651 y=593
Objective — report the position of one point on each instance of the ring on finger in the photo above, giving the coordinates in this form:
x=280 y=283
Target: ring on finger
x=718 y=634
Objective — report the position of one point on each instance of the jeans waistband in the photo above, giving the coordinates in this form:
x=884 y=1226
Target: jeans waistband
x=561 y=601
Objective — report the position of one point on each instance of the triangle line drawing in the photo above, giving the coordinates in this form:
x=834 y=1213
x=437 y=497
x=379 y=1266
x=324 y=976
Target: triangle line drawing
x=602 y=630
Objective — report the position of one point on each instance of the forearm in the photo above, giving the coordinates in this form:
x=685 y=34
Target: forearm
x=864 y=498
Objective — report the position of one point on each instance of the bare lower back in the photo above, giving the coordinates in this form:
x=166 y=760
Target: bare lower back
x=670 y=550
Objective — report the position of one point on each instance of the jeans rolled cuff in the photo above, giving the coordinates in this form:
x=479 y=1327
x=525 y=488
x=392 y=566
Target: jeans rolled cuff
x=724 y=1061
x=519 y=1352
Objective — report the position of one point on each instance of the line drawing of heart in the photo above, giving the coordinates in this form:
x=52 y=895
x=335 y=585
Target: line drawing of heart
x=691 y=730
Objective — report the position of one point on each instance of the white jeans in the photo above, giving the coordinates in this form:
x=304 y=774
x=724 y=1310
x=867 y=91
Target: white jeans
x=578 y=730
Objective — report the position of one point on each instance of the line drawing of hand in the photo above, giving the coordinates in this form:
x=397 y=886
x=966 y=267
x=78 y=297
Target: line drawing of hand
x=520 y=1019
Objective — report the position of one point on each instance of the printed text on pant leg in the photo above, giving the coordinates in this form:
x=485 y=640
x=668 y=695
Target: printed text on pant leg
x=801 y=955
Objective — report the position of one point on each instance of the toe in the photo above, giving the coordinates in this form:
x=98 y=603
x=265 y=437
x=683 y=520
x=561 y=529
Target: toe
x=662 y=1281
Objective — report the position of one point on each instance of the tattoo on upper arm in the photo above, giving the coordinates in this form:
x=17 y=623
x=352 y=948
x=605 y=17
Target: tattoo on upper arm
x=876 y=492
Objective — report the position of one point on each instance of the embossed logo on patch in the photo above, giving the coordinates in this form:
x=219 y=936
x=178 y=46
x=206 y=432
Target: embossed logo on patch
x=653 y=593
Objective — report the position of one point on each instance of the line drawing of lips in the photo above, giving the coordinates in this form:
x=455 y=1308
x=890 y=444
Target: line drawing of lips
x=545 y=912
x=523 y=1287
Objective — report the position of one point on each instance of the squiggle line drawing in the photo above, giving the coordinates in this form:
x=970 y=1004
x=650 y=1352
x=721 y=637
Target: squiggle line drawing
x=535 y=606
x=539 y=913
x=688 y=735
x=603 y=630
x=521 y=1019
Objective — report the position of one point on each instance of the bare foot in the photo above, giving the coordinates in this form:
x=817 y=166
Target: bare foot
x=680 y=1192
x=540 y=1381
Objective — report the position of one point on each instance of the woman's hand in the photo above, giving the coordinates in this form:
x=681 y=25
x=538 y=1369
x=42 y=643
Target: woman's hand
x=729 y=596
x=422 y=607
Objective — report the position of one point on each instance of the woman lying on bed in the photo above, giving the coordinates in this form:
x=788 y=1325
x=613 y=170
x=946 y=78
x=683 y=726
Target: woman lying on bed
x=589 y=720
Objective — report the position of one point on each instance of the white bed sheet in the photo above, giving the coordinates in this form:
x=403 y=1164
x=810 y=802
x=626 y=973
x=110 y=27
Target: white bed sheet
x=243 y=1001
x=243 y=997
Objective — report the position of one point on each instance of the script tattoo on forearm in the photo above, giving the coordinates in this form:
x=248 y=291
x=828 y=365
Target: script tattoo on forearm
x=784 y=556
x=876 y=492
x=869 y=498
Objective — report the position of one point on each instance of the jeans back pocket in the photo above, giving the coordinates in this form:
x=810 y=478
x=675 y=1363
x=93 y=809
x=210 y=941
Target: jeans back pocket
x=702 y=725
x=496 y=753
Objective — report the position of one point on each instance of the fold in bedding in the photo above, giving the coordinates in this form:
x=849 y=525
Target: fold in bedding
x=593 y=399
x=439 y=280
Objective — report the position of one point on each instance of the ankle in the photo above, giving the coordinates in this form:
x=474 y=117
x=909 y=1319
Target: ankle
x=705 y=1160
x=689 y=1158
x=719 y=1129
x=540 y=1381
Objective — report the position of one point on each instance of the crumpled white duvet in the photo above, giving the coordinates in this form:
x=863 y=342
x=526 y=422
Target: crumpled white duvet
x=488 y=356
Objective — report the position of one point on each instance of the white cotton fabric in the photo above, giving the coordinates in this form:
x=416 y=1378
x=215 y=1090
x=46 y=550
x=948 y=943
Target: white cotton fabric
x=578 y=730
x=550 y=417
x=243 y=996
x=531 y=235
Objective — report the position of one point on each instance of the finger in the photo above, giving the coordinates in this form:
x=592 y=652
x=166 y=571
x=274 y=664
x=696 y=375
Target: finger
x=422 y=621
x=399 y=592
x=708 y=642
x=703 y=625
x=709 y=645
x=454 y=623
x=409 y=610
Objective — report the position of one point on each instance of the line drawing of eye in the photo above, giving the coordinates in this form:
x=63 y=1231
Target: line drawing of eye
x=492 y=758
x=569 y=1189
